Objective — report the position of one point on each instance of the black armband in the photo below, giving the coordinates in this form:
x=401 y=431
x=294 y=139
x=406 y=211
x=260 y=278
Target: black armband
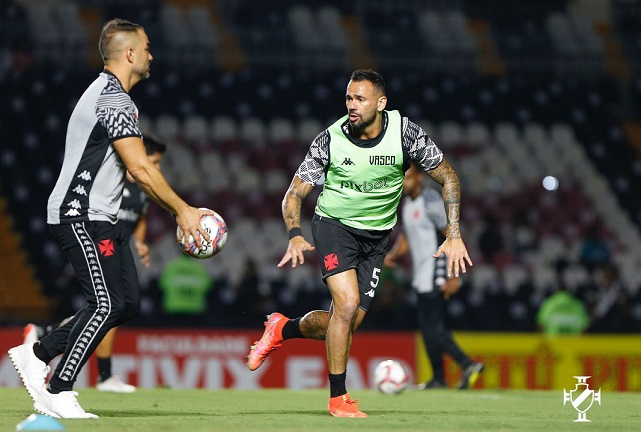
x=296 y=231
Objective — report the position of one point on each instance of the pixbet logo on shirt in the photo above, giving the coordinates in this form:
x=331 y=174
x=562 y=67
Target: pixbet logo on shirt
x=366 y=186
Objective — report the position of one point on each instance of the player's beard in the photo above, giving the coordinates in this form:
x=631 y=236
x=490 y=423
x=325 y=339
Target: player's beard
x=364 y=123
x=144 y=73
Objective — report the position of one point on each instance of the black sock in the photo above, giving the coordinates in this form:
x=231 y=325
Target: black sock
x=337 y=384
x=41 y=353
x=53 y=388
x=104 y=368
x=291 y=329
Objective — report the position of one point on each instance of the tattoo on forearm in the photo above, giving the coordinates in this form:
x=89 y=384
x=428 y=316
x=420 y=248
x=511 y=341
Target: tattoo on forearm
x=445 y=175
x=291 y=211
x=454 y=230
x=293 y=201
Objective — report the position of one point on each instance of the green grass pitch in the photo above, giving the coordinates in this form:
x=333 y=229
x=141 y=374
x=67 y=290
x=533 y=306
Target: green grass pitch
x=305 y=410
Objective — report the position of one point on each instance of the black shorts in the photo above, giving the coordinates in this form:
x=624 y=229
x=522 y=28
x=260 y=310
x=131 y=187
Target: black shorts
x=341 y=248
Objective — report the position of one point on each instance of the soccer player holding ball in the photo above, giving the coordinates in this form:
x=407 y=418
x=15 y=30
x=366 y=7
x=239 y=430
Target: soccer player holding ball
x=364 y=155
x=103 y=142
x=132 y=218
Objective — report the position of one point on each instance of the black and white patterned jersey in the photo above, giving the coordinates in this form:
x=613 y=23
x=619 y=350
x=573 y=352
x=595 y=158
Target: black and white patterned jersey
x=90 y=184
x=423 y=219
x=417 y=146
x=134 y=204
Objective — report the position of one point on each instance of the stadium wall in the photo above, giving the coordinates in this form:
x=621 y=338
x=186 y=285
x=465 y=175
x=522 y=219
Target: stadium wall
x=217 y=359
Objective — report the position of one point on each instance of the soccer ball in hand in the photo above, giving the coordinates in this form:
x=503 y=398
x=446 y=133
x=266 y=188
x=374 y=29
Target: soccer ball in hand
x=391 y=377
x=216 y=227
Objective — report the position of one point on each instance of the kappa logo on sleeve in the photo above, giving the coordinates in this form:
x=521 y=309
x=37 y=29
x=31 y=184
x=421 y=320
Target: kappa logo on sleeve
x=106 y=247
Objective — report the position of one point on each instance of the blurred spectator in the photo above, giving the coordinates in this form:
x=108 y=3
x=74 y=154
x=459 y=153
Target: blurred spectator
x=562 y=313
x=609 y=304
x=185 y=284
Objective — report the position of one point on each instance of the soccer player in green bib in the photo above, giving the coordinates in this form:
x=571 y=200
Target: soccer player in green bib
x=364 y=156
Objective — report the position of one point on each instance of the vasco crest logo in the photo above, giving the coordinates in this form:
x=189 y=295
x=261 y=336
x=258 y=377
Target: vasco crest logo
x=106 y=247
x=582 y=397
x=331 y=261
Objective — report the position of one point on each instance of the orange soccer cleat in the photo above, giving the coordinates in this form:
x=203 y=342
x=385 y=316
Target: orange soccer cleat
x=343 y=406
x=272 y=337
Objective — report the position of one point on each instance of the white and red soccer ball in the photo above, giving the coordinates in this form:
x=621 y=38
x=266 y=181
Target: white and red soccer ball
x=391 y=377
x=216 y=227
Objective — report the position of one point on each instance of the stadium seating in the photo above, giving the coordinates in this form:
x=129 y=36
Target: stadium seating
x=236 y=137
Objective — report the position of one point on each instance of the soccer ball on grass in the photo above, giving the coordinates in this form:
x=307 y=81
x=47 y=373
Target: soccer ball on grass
x=391 y=377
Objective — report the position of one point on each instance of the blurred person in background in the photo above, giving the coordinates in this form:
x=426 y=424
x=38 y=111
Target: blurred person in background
x=562 y=313
x=424 y=218
x=132 y=219
x=185 y=284
x=608 y=301
x=364 y=156
x=103 y=142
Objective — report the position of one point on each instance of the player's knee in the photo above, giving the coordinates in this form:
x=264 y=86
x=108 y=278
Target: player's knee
x=347 y=308
x=129 y=310
x=360 y=315
x=123 y=311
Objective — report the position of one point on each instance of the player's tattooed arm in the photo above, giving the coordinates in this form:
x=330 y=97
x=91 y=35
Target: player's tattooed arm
x=445 y=175
x=297 y=192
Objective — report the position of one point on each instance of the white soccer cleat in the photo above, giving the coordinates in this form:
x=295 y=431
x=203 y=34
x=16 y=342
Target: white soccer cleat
x=33 y=371
x=62 y=405
x=113 y=384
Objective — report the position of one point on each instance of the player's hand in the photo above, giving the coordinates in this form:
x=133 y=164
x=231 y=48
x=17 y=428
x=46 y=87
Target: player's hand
x=457 y=255
x=450 y=287
x=189 y=223
x=295 y=249
x=143 y=252
x=389 y=261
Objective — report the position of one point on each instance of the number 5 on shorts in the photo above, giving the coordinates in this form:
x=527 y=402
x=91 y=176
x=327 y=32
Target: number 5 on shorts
x=375 y=277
